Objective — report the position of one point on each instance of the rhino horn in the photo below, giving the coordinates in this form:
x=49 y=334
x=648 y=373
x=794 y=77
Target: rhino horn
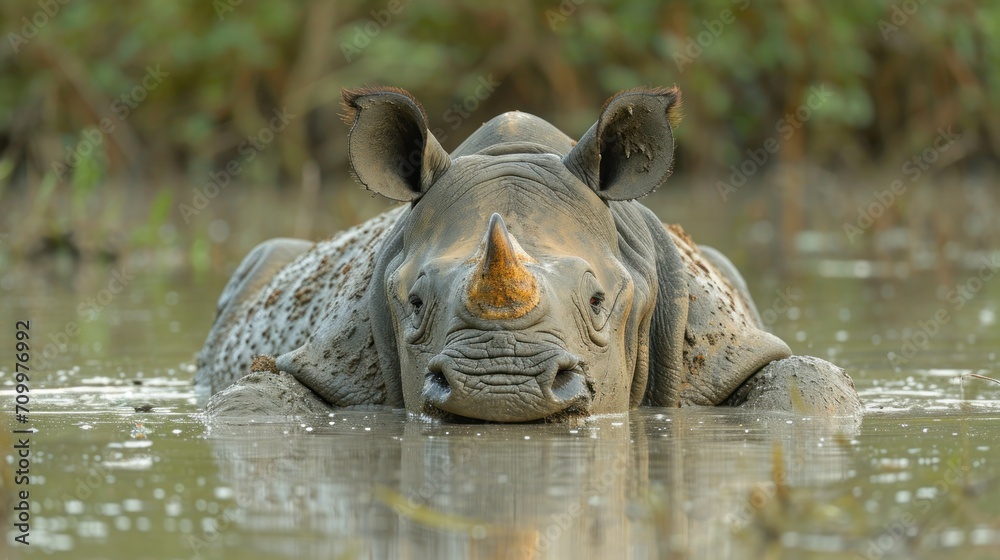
x=501 y=286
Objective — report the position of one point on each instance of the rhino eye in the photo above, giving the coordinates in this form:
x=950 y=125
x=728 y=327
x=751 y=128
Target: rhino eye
x=416 y=303
x=598 y=316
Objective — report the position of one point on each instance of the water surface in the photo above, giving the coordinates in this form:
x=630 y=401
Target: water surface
x=916 y=479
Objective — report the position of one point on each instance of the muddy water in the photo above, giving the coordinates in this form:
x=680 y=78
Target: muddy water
x=918 y=478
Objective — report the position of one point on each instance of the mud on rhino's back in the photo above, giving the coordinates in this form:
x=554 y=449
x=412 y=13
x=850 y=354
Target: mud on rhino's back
x=301 y=297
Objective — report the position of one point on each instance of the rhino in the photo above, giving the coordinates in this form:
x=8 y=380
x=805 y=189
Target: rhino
x=519 y=281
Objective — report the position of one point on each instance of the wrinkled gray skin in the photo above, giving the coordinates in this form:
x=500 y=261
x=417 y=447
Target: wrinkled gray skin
x=604 y=309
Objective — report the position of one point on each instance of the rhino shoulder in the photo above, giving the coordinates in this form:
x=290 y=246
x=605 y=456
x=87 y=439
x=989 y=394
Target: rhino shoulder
x=256 y=270
x=724 y=343
x=323 y=284
x=342 y=356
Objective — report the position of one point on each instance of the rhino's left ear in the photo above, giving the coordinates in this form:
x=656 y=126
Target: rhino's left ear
x=629 y=151
x=391 y=150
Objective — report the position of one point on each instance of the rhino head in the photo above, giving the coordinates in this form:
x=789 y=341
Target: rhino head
x=517 y=286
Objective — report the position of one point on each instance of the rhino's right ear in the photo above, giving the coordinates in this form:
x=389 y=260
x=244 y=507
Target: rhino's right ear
x=391 y=150
x=629 y=151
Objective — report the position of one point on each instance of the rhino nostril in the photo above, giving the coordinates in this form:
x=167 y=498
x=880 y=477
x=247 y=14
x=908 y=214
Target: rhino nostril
x=435 y=382
x=438 y=379
x=569 y=384
x=563 y=377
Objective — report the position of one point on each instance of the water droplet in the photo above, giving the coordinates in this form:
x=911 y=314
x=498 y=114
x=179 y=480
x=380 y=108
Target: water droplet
x=73 y=507
x=987 y=317
x=218 y=231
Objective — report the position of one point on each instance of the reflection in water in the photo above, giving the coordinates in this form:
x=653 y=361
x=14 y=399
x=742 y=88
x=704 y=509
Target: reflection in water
x=689 y=483
x=919 y=481
x=664 y=483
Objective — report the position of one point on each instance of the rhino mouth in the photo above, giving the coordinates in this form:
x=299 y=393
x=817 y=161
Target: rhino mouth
x=513 y=386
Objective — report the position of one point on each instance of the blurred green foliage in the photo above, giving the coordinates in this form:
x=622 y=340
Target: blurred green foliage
x=896 y=75
x=183 y=85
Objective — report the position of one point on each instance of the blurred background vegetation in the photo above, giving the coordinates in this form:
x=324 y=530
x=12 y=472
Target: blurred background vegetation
x=118 y=115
